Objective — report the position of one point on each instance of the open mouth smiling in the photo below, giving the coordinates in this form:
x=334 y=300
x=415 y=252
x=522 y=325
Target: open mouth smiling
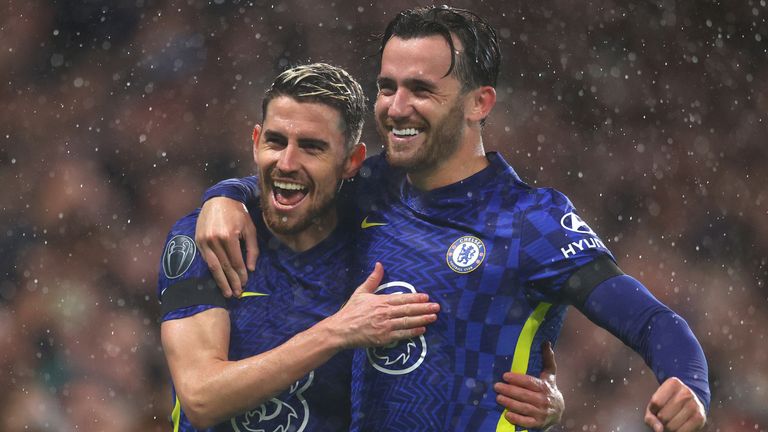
x=288 y=194
x=405 y=132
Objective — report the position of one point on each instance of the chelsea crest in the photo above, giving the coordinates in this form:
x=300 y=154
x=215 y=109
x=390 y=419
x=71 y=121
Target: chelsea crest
x=465 y=254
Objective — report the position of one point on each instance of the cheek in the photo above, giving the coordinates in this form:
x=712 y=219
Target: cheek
x=380 y=106
x=324 y=177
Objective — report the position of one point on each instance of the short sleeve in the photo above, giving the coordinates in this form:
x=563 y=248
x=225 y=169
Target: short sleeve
x=185 y=285
x=555 y=243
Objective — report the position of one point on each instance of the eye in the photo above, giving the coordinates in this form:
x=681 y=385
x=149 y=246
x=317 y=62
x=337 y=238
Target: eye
x=313 y=147
x=274 y=141
x=386 y=89
x=421 y=91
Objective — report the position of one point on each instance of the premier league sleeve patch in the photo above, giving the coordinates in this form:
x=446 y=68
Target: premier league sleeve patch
x=178 y=256
x=465 y=254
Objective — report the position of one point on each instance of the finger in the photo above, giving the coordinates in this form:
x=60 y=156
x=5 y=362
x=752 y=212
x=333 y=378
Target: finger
x=693 y=424
x=373 y=280
x=218 y=275
x=251 y=245
x=518 y=407
x=681 y=417
x=523 y=381
x=520 y=394
x=663 y=394
x=520 y=420
x=548 y=359
x=680 y=407
x=401 y=302
x=233 y=280
x=652 y=421
x=234 y=264
x=408 y=322
x=415 y=305
x=408 y=333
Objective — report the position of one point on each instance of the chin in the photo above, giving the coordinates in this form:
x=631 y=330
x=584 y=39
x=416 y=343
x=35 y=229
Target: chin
x=276 y=224
x=402 y=159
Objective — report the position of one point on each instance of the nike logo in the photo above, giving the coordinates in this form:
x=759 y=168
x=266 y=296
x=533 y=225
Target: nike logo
x=365 y=224
x=252 y=294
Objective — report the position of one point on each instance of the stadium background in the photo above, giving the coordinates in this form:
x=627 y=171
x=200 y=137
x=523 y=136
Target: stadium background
x=115 y=115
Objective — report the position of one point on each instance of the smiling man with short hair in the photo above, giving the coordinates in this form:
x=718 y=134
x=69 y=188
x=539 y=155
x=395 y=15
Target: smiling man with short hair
x=277 y=357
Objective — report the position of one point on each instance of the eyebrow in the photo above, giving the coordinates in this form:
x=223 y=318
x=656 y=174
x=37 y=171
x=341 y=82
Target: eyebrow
x=269 y=134
x=312 y=141
x=408 y=83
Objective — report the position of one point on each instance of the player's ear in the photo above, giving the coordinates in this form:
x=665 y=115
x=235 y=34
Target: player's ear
x=256 y=134
x=481 y=102
x=354 y=160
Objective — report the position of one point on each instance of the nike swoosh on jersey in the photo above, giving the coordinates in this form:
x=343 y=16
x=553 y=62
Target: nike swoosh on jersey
x=365 y=224
x=252 y=294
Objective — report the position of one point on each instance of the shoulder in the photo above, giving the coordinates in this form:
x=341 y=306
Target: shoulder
x=376 y=170
x=552 y=227
x=187 y=222
x=548 y=200
x=184 y=279
x=180 y=251
x=185 y=225
x=376 y=181
x=547 y=203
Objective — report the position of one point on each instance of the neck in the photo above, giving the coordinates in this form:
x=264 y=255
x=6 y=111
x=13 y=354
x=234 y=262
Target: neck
x=318 y=230
x=468 y=160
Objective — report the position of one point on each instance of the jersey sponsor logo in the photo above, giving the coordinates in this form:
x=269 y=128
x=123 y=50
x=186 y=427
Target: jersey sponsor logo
x=398 y=358
x=365 y=224
x=572 y=222
x=288 y=413
x=178 y=256
x=575 y=247
x=465 y=254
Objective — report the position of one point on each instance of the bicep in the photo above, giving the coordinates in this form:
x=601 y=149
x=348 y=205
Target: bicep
x=194 y=342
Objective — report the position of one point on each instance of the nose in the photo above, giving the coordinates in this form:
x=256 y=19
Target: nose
x=288 y=159
x=399 y=104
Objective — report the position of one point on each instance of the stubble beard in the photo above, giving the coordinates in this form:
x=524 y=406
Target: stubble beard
x=443 y=142
x=318 y=211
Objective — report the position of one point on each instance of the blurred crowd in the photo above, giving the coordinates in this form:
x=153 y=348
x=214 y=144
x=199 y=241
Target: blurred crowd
x=115 y=116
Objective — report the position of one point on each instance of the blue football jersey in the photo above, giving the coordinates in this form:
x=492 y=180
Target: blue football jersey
x=496 y=254
x=504 y=260
x=288 y=293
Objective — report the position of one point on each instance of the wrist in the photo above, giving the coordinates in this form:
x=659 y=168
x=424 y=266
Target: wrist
x=327 y=334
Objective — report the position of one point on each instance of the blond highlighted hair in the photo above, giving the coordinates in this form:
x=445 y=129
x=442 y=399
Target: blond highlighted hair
x=326 y=84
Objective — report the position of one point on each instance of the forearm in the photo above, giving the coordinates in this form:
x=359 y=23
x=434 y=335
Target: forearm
x=623 y=306
x=213 y=389
x=245 y=190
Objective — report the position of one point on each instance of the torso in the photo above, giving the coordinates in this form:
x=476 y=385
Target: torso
x=287 y=294
x=469 y=246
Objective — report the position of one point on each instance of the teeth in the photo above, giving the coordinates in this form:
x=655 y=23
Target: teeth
x=289 y=186
x=405 y=132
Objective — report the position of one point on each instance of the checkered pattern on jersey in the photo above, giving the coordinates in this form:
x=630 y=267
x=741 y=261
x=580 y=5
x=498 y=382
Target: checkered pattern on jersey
x=289 y=292
x=483 y=311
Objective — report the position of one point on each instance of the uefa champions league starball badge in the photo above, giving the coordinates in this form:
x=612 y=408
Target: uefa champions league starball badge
x=465 y=254
x=178 y=256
